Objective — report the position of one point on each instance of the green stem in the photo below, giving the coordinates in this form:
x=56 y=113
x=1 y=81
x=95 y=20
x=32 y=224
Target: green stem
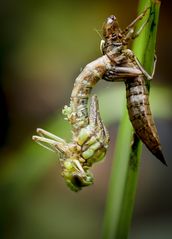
x=124 y=177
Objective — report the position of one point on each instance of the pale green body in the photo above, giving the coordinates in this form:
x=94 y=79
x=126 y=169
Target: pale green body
x=89 y=136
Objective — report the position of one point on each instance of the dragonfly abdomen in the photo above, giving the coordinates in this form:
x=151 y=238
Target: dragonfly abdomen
x=141 y=117
x=84 y=83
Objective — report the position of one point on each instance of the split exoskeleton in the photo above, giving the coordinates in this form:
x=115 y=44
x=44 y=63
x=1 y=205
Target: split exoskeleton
x=90 y=138
x=136 y=90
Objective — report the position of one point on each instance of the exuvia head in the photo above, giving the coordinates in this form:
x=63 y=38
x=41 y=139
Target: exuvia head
x=111 y=27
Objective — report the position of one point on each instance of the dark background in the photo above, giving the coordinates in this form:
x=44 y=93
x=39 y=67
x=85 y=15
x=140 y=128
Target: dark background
x=43 y=47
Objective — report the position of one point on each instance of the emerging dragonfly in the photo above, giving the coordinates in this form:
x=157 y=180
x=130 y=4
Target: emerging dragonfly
x=90 y=138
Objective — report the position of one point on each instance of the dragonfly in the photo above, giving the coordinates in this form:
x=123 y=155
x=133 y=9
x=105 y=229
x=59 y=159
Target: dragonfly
x=90 y=138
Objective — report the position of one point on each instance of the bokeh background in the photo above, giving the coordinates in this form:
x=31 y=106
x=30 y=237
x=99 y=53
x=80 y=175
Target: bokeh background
x=43 y=47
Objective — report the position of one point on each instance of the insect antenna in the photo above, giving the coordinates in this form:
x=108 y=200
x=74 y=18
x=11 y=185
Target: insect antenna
x=98 y=33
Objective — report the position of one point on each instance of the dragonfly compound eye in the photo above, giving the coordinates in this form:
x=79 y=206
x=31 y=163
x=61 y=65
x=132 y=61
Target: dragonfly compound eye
x=78 y=181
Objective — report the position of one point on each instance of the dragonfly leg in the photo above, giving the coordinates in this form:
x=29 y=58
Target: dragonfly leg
x=131 y=56
x=119 y=73
x=43 y=133
x=52 y=143
x=145 y=73
x=129 y=33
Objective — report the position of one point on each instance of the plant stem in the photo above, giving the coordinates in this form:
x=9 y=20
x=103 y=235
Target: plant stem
x=124 y=176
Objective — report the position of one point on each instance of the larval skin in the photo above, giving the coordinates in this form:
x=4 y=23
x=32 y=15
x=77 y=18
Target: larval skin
x=136 y=90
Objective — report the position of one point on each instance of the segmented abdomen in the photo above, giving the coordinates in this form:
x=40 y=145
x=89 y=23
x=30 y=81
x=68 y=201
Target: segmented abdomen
x=140 y=115
x=84 y=83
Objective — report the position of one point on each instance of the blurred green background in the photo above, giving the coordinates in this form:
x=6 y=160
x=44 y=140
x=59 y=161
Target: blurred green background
x=43 y=47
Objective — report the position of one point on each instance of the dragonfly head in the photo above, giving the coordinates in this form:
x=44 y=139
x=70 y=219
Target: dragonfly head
x=75 y=176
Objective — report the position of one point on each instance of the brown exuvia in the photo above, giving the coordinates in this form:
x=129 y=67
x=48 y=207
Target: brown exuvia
x=136 y=91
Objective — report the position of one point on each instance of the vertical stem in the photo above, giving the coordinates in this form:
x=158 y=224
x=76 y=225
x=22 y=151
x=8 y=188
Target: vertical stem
x=124 y=176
